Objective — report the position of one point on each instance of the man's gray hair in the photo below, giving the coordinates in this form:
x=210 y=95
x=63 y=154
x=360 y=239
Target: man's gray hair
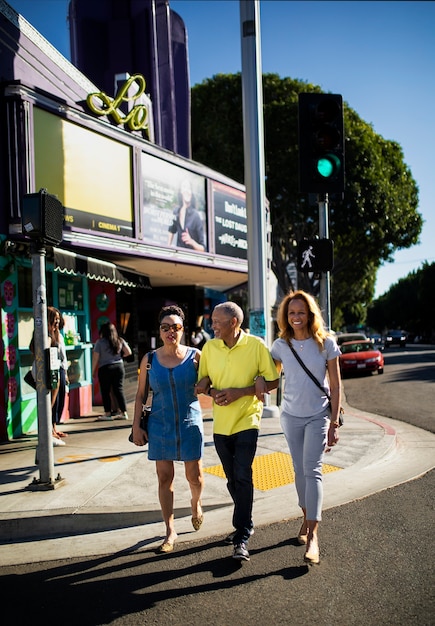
x=232 y=310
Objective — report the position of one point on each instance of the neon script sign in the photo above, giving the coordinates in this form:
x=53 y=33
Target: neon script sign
x=102 y=104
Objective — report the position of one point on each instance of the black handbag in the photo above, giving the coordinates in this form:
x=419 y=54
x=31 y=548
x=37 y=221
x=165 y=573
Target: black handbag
x=146 y=410
x=314 y=379
x=29 y=379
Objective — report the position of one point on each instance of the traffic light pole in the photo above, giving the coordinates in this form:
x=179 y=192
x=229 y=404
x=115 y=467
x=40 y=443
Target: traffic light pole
x=325 y=277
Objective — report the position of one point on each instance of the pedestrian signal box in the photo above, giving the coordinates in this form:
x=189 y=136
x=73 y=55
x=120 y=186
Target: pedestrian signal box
x=315 y=255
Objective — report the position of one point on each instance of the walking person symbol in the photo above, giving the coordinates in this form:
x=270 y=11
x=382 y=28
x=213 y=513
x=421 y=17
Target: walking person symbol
x=307 y=255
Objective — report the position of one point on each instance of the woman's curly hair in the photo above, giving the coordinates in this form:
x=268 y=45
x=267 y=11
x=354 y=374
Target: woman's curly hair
x=171 y=309
x=316 y=326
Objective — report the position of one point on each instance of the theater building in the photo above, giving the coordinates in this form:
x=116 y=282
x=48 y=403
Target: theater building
x=120 y=256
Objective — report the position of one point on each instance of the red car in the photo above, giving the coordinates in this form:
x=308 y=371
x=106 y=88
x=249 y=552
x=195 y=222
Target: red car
x=360 y=356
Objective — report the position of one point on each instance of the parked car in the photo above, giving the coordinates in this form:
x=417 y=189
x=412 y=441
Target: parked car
x=396 y=338
x=342 y=337
x=360 y=356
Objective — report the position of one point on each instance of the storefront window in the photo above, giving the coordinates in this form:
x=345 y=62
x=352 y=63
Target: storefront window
x=70 y=293
x=72 y=303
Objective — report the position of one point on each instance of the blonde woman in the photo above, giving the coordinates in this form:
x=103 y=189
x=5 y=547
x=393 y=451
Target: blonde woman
x=309 y=421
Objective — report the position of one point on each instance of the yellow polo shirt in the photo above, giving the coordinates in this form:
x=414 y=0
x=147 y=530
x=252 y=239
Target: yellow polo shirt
x=236 y=367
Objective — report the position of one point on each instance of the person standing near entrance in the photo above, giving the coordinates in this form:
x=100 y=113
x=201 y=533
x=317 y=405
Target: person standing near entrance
x=55 y=325
x=107 y=356
x=236 y=369
x=55 y=340
x=200 y=336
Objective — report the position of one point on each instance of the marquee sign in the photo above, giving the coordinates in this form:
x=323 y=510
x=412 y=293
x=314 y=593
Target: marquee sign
x=137 y=117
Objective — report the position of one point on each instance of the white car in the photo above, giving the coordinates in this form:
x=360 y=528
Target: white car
x=342 y=337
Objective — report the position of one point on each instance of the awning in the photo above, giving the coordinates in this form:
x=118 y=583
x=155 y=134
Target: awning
x=67 y=262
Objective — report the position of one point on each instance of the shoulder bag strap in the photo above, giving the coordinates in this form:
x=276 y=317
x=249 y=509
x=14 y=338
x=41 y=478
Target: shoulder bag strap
x=310 y=374
x=147 y=383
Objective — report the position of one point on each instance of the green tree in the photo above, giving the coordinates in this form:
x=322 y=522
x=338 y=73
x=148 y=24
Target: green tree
x=377 y=215
x=408 y=304
x=426 y=303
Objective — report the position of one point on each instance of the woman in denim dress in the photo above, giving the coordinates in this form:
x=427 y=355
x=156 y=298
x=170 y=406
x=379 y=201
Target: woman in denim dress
x=175 y=428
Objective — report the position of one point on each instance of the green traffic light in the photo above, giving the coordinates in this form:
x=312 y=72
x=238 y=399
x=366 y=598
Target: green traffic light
x=328 y=165
x=325 y=168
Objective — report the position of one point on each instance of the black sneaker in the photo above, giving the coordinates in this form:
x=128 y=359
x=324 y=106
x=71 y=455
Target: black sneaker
x=241 y=553
x=229 y=539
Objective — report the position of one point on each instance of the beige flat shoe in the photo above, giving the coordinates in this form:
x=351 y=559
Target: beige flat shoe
x=312 y=553
x=197 y=522
x=166 y=547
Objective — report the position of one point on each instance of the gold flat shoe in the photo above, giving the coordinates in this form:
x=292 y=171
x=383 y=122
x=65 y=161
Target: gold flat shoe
x=165 y=547
x=312 y=554
x=197 y=522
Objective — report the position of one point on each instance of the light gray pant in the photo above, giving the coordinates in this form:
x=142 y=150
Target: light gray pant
x=307 y=438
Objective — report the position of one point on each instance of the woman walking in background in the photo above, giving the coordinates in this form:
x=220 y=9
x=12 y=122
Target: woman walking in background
x=309 y=420
x=175 y=429
x=107 y=356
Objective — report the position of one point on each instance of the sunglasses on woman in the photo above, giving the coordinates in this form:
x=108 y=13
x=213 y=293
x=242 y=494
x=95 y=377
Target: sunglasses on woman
x=167 y=327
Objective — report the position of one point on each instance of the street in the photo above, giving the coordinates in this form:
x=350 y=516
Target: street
x=376 y=558
x=377 y=568
x=405 y=391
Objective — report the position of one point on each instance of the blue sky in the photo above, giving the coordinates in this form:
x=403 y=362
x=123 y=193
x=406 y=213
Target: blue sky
x=379 y=55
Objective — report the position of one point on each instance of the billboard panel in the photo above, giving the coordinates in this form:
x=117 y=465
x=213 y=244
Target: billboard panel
x=174 y=205
x=89 y=173
x=230 y=221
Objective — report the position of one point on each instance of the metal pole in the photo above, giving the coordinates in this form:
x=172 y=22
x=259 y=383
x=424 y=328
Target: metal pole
x=254 y=164
x=253 y=142
x=325 y=279
x=45 y=457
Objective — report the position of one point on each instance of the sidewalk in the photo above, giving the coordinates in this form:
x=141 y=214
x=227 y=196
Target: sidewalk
x=108 y=499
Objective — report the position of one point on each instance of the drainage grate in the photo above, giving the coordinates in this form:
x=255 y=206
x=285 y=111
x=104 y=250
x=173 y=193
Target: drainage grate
x=270 y=471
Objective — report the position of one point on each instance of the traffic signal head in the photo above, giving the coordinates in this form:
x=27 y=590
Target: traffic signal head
x=315 y=255
x=321 y=143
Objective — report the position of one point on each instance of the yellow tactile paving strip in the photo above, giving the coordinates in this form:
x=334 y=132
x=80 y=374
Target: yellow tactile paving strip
x=270 y=470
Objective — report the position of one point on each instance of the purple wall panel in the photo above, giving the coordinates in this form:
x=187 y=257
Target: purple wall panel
x=137 y=36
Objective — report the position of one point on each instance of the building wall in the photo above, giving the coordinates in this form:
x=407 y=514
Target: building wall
x=35 y=77
x=146 y=36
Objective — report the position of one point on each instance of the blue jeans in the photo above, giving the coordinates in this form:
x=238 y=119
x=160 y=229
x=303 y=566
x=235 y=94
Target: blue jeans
x=237 y=453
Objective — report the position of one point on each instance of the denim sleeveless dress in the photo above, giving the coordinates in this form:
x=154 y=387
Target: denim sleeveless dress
x=175 y=427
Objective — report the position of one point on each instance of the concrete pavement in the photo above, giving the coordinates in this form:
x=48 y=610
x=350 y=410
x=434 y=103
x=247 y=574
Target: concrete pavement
x=108 y=499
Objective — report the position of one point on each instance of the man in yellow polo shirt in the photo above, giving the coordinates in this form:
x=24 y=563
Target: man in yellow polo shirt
x=236 y=369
